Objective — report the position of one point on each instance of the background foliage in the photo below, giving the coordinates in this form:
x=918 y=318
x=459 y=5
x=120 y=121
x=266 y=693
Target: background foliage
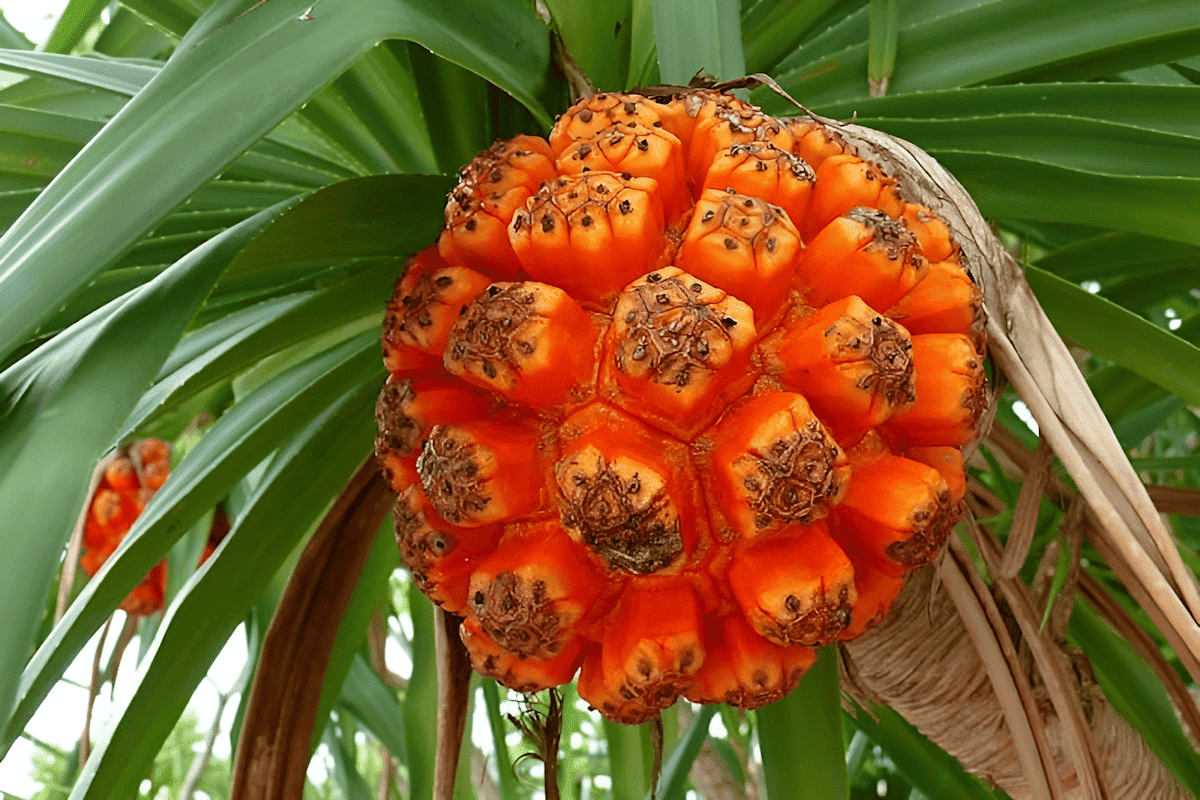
x=206 y=202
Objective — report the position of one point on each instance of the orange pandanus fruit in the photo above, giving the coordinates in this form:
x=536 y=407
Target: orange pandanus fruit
x=698 y=410
x=129 y=481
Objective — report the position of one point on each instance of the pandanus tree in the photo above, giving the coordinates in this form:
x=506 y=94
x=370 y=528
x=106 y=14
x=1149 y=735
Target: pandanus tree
x=682 y=386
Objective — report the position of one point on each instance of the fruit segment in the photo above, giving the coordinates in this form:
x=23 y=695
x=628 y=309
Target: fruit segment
x=948 y=462
x=121 y=475
x=933 y=237
x=150 y=594
x=528 y=342
x=950 y=392
x=774 y=464
x=863 y=253
x=520 y=674
x=676 y=350
x=853 y=365
x=795 y=588
x=899 y=511
x=591 y=234
x=945 y=300
x=126 y=486
x=636 y=150
x=724 y=121
x=627 y=492
x=844 y=182
x=764 y=171
x=745 y=670
x=408 y=409
x=743 y=245
x=814 y=141
x=439 y=556
x=426 y=302
x=876 y=591
x=651 y=648
x=490 y=190
x=533 y=607
x=483 y=471
x=593 y=114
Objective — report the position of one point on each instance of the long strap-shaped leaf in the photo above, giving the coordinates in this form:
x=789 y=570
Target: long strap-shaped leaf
x=60 y=409
x=1029 y=351
x=274 y=750
x=288 y=501
x=242 y=438
x=250 y=66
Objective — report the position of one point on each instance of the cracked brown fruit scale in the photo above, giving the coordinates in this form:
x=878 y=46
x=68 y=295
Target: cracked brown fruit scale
x=679 y=396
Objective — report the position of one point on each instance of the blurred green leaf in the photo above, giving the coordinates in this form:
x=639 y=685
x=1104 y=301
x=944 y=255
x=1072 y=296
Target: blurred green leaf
x=1007 y=186
x=629 y=759
x=12 y=38
x=673 y=783
x=374 y=704
x=696 y=35
x=1136 y=694
x=420 y=699
x=643 y=50
x=597 y=33
x=117 y=76
x=371 y=217
x=1083 y=144
x=345 y=774
x=998 y=41
x=927 y=766
x=1168 y=109
x=1118 y=335
x=1114 y=255
x=127 y=34
x=73 y=24
x=370 y=592
x=504 y=763
x=881 y=44
x=773 y=29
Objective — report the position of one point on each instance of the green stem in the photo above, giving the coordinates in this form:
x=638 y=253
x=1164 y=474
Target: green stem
x=629 y=752
x=801 y=739
x=504 y=768
x=881 y=47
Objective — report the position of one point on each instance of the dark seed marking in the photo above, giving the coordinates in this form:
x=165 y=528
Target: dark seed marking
x=630 y=528
x=449 y=471
x=793 y=479
x=520 y=616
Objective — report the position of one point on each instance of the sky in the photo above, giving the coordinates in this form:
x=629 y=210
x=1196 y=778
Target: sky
x=34 y=18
